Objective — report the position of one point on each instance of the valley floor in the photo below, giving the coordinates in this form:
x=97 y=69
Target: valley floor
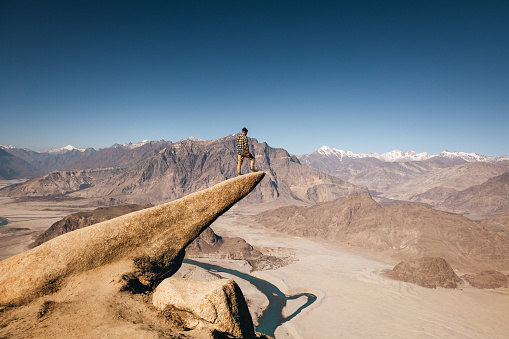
x=355 y=301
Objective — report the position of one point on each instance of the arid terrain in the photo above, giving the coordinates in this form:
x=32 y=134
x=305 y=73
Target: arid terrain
x=439 y=224
x=348 y=281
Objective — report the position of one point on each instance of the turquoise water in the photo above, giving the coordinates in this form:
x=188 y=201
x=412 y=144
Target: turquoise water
x=272 y=317
x=3 y=221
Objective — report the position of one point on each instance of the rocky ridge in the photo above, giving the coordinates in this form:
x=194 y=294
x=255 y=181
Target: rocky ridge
x=170 y=172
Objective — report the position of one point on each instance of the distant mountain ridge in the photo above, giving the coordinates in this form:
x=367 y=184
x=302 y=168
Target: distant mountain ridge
x=436 y=180
x=399 y=156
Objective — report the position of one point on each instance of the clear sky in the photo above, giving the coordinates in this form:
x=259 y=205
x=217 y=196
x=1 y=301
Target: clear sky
x=364 y=76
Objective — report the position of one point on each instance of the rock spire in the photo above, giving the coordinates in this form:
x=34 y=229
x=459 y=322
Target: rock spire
x=151 y=242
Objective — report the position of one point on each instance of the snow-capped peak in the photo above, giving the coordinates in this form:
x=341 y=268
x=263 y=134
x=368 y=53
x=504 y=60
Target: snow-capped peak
x=393 y=156
x=470 y=157
x=191 y=138
x=399 y=156
x=65 y=149
x=130 y=145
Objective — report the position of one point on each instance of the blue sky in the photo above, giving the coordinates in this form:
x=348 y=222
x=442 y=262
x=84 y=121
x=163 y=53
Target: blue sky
x=364 y=76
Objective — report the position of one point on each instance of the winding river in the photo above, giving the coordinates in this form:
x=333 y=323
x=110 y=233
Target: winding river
x=3 y=221
x=272 y=316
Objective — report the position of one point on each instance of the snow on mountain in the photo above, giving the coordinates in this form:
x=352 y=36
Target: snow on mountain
x=399 y=156
x=471 y=157
x=7 y=147
x=65 y=149
x=191 y=138
x=393 y=156
x=130 y=145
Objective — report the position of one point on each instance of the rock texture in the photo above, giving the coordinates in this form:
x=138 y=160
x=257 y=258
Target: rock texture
x=211 y=245
x=401 y=231
x=84 y=219
x=488 y=198
x=498 y=224
x=486 y=279
x=219 y=303
x=430 y=272
x=150 y=243
x=207 y=245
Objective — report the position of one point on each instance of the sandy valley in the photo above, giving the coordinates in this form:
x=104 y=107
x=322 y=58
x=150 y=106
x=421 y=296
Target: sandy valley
x=354 y=299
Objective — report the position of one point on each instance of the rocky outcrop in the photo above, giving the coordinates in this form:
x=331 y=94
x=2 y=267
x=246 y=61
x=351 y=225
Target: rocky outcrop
x=401 y=231
x=219 y=304
x=207 y=245
x=486 y=279
x=84 y=219
x=149 y=243
x=211 y=245
x=426 y=272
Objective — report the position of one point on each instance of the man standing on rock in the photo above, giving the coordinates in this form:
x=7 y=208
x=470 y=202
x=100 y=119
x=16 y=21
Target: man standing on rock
x=243 y=151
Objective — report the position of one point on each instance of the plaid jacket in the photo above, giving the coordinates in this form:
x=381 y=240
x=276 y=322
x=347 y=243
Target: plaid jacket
x=242 y=144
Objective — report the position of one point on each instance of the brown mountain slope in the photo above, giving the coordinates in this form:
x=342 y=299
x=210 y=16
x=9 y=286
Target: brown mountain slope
x=400 y=231
x=189 y=166
x=499 y=224
x=59 y=182
x=12 y=167
x=373 y=173
x=435 y=186
x=489 y=198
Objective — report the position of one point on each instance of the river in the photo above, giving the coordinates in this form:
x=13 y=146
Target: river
x=272 y=316
x=3 y=221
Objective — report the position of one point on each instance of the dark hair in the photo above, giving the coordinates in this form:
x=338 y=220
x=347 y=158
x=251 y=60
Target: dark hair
x=244 y=130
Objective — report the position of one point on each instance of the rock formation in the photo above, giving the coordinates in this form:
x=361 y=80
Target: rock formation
x=218 y=303
x=486 y=279
x=207 y=245
x=426 y=272
x=211 y=245
x=149 y=243
x=402 y=231
x=84 y=219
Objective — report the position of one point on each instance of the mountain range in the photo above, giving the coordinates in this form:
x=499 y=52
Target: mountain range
x=444 y=181
x=157 y=171
x=161 y=171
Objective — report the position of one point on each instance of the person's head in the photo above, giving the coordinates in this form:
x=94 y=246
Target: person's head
x=244 y=131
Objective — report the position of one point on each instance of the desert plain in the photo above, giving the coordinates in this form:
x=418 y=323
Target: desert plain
x=354 y=299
